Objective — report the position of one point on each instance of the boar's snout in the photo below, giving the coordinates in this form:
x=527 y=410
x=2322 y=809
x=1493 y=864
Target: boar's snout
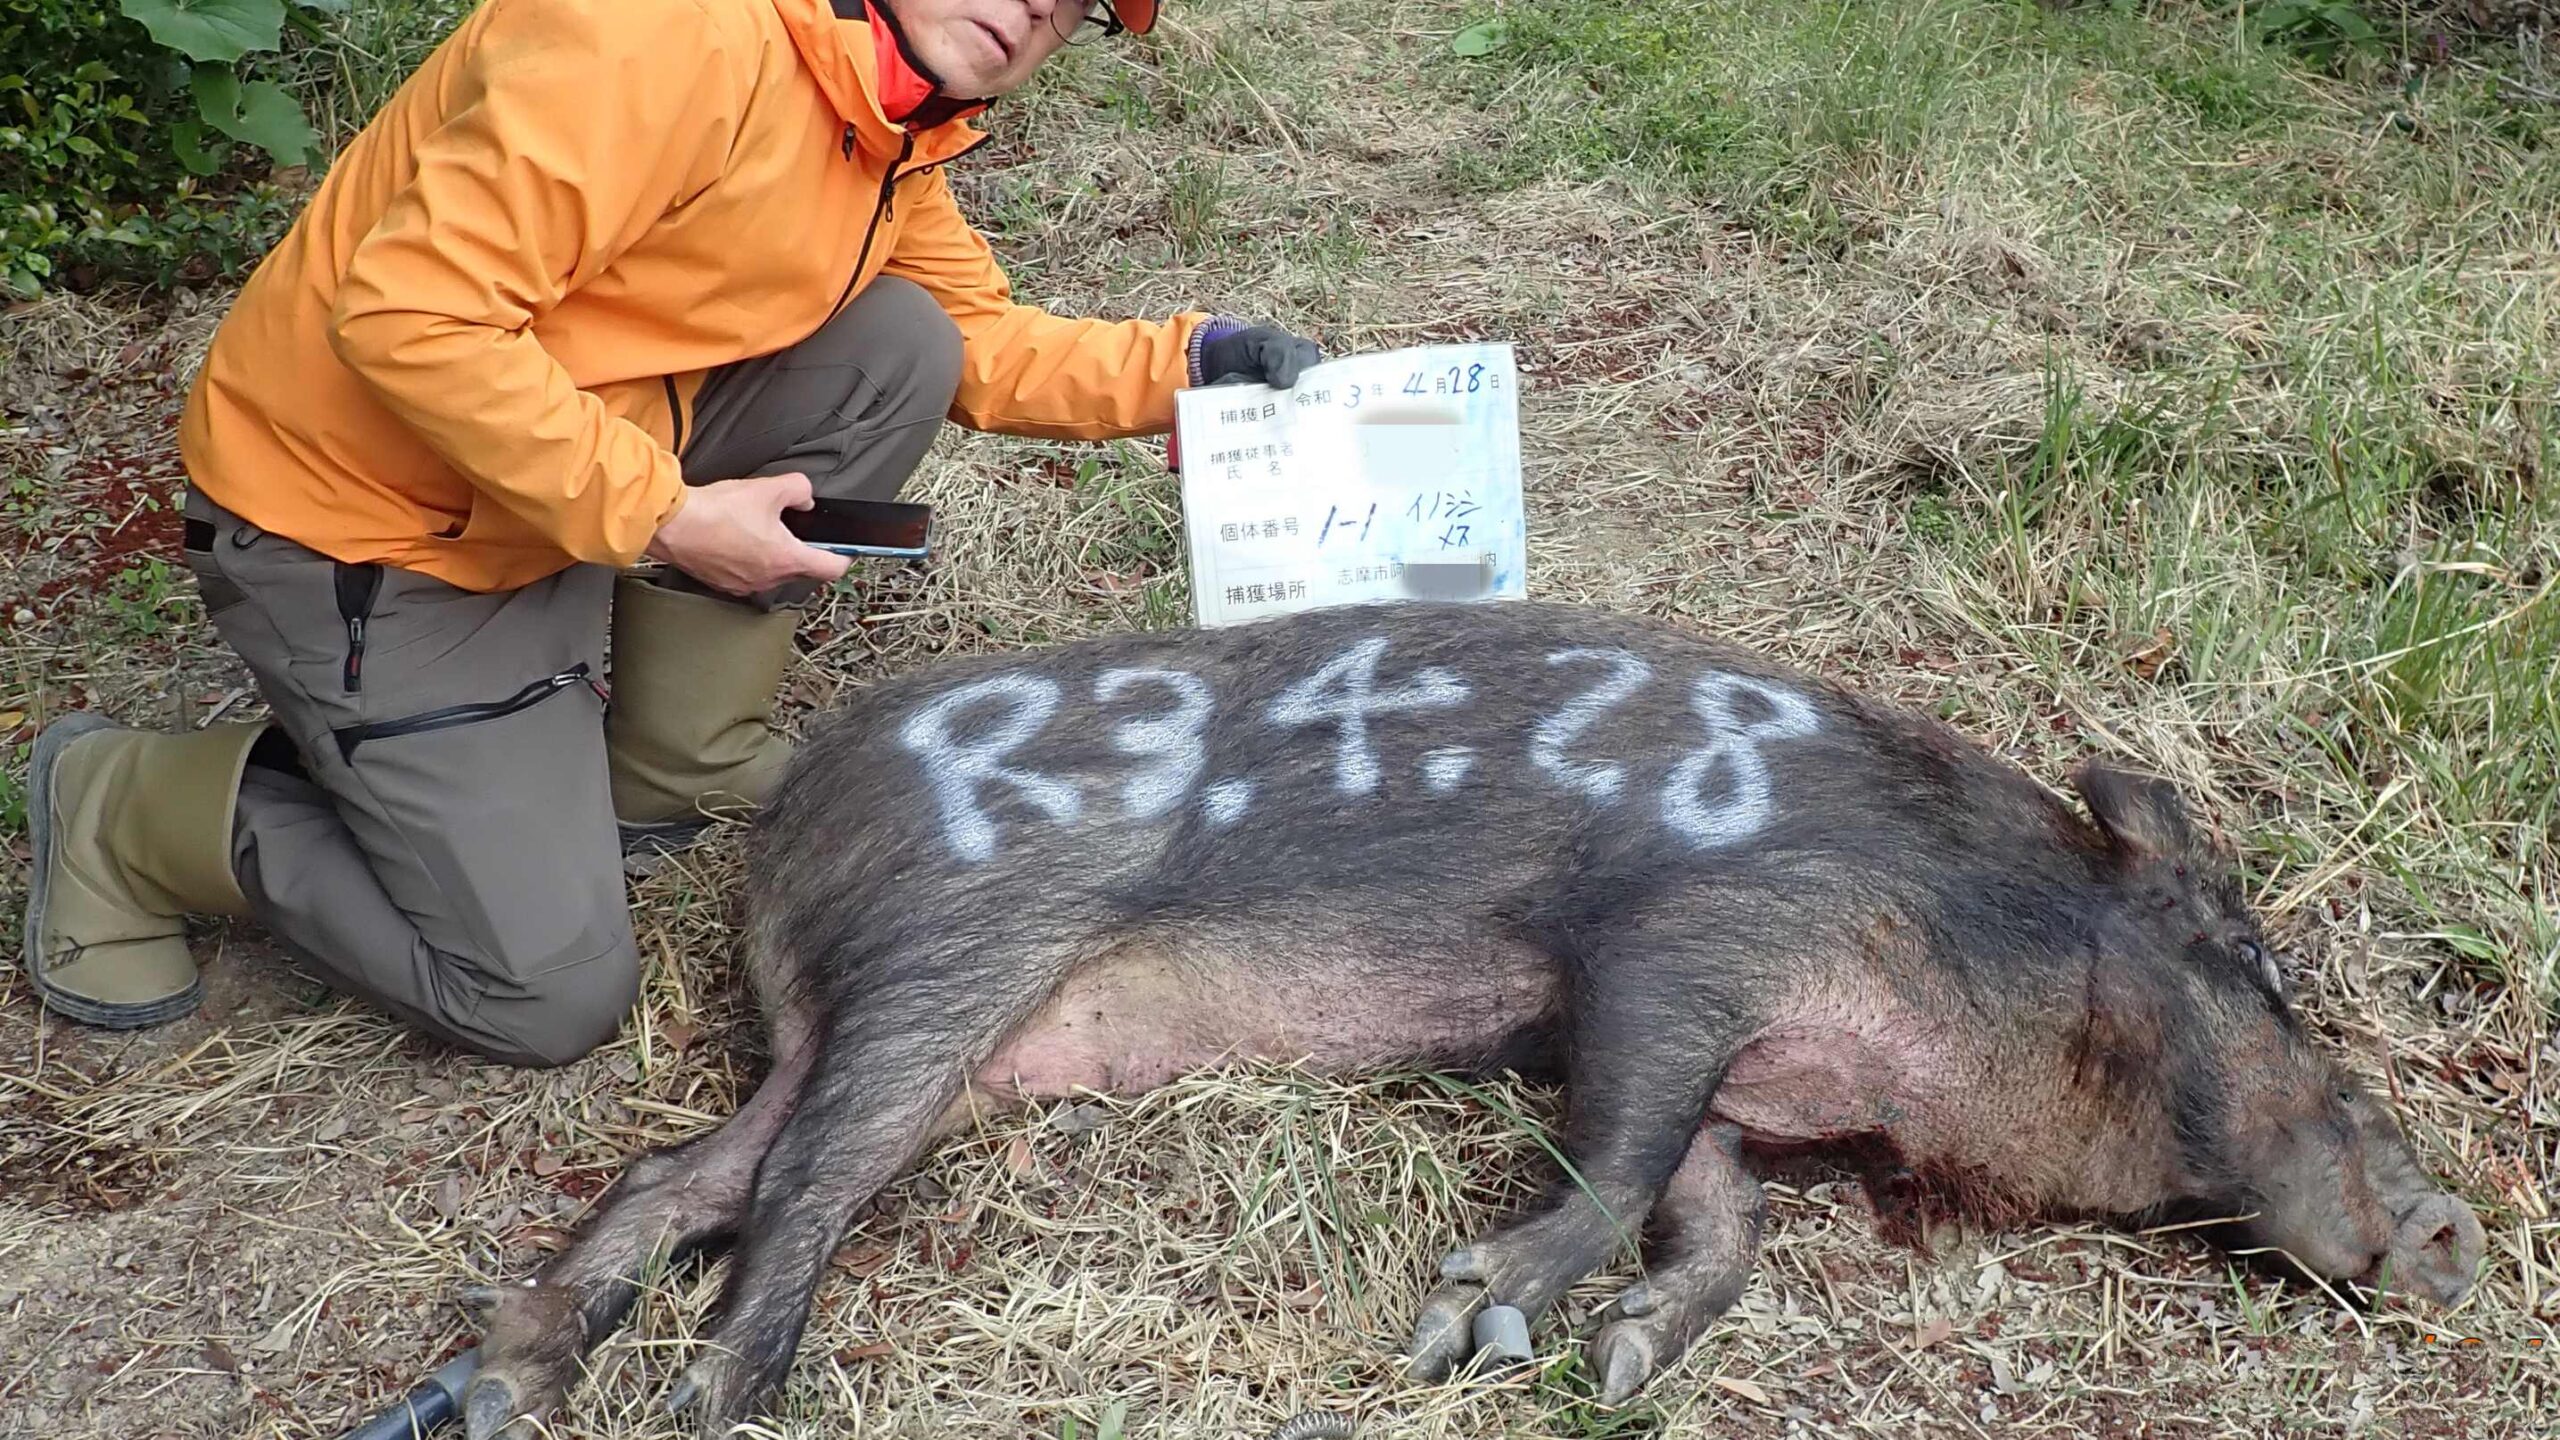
x=2346 y=1200
x=2435 y=1250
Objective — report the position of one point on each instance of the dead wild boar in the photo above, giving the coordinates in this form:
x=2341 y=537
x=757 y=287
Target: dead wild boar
x=1736 y=910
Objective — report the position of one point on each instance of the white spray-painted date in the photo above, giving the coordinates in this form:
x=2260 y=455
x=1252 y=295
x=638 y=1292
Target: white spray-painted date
x=957 y=768
x=1734 y=746
x=1176 y=737
x=1346 y=692
x=1600 y=780
x=1716 y=794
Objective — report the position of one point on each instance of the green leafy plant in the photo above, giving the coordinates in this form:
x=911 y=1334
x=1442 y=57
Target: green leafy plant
x=214 y=36
x=1112 y=1426
x=138 y=138
x=2323 y=30
x=1482 y=38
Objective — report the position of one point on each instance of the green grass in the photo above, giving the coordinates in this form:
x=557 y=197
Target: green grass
x=13 y=791
x=362 y=57
x=2328 y=476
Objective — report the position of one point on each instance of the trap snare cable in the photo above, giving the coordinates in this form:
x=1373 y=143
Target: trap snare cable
x=426 y=1408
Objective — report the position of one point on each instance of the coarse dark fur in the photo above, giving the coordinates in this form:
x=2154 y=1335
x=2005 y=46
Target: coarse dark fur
x=1920 y=956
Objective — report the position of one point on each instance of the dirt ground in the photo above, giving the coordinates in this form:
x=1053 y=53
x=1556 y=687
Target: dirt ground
x=252 y=1223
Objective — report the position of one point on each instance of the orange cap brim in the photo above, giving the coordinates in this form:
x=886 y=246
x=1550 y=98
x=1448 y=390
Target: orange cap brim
x=1137 y=16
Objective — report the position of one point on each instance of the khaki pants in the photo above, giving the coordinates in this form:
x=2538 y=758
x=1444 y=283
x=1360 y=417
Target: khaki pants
x=432 y=831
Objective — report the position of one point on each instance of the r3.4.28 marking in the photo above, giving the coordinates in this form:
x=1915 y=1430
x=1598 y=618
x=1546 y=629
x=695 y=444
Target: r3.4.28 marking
x=1717 y=793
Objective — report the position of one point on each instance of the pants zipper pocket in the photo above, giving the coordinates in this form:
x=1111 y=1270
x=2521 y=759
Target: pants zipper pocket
x=357 y=587
x=449 y=716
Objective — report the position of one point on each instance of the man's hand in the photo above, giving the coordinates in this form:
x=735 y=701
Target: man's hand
x=1264 y=354
x=729 y=535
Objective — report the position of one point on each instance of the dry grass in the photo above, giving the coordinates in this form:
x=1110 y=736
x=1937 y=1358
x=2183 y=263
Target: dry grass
x=1822 y=418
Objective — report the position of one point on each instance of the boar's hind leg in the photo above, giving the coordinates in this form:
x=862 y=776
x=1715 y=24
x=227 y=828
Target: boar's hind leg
x=1710 y=1219
x=890 y=1064
x=668 y=1202
x=1651 y=1022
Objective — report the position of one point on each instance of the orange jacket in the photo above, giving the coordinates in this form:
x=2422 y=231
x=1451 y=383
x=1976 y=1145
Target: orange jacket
x=472 y=354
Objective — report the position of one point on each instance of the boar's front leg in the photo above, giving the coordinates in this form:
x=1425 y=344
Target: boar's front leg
x=1651 y=1023
x=1710 y=1218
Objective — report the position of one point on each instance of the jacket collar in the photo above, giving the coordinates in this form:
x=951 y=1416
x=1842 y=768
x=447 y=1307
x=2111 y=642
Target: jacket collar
x=885 y=96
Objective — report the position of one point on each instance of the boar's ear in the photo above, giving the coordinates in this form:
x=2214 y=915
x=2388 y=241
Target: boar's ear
x=2120 y=1037
x=2141 y=814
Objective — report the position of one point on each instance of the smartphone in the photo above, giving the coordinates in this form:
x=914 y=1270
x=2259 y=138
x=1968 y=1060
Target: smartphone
x=894 y=528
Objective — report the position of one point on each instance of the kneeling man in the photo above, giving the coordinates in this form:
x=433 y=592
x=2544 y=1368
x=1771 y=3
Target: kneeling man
x=604 y=284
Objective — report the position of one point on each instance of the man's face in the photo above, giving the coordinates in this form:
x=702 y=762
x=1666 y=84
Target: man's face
x=986 y=48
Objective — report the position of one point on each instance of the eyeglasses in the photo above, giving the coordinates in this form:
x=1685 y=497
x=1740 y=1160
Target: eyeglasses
x=1095 y=13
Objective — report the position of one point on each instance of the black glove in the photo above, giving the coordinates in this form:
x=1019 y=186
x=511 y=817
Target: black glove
x=1227 y=352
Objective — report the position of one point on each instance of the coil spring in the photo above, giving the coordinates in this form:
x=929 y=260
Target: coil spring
x=1314 y=1425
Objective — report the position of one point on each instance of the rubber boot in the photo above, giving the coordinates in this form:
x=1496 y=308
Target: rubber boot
x=132 y=833
x=690 y=733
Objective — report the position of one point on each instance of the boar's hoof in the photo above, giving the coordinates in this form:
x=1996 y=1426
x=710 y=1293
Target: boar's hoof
x=489 y=1407
x=2435 y=1249
x=702 y=1389
x=1444 y=1331
x=1623 y=1354
x=528 y=1356
x=1502 y=1335
x=685 y=1393
x=722 y=1390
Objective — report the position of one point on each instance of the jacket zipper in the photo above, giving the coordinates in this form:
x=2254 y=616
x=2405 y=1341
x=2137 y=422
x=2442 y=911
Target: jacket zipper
x=885 y=205
x=449 y=716
x=879 y=211
x=881 y=208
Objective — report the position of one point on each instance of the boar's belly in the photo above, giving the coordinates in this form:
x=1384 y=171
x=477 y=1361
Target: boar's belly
x=1145 y=1015
x=1827 y=1079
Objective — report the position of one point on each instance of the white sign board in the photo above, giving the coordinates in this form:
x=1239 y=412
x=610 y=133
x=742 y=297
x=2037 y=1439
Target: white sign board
x=1386 y=476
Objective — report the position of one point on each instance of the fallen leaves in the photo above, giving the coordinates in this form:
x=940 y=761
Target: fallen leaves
x=1081 y=1119
x=2155 y=652
x=278 y=1338
x=864 y=1261
x=1743 y=1388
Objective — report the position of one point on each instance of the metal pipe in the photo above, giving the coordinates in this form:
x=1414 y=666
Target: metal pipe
x=427 y=1408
